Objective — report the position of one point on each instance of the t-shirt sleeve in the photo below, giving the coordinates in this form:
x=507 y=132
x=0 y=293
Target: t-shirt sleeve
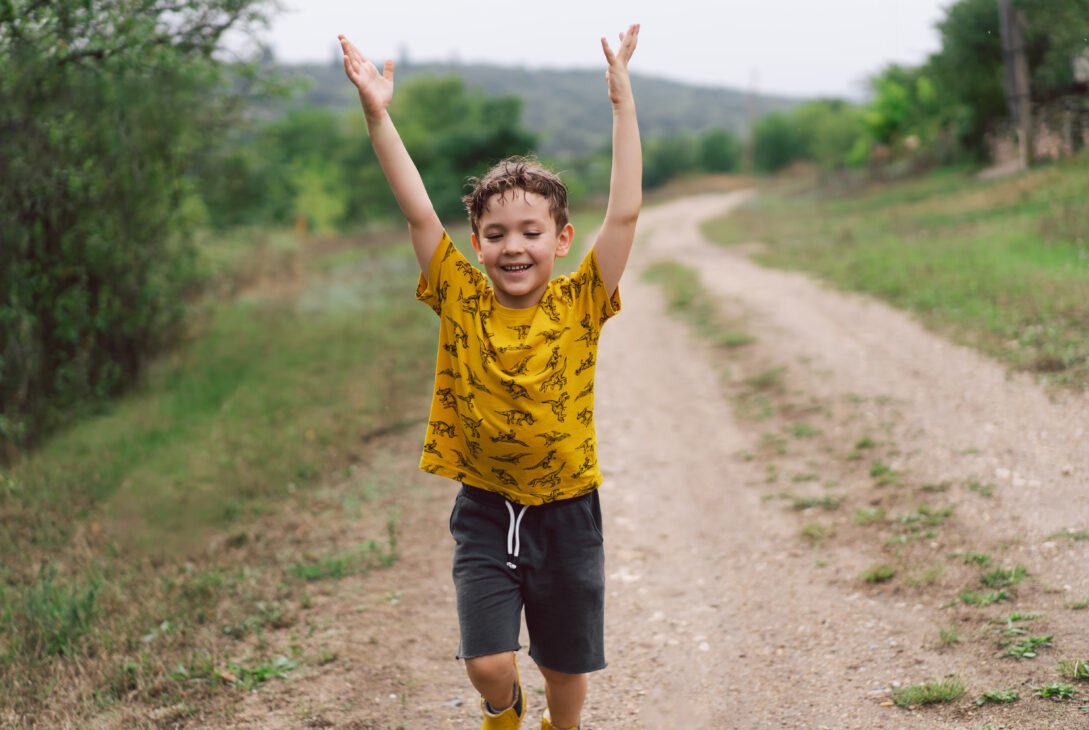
x=449 y=270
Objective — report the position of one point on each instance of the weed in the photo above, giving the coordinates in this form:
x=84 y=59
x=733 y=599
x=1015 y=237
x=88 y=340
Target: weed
x=368 y=556
x=817 y=532
x=999 y=696
x=803 y=503
x=981 y=488
x=1016 y=616
x=49 y=617
x=768 y=380
x=1076 y=535
x=869 y=516
x=883 y=474
x=879 y=573
x=1004 y=577
x=927 y=577
x=935 y=488
x=979 y=559
x=1080 y=605
x=804 y=431
x=773 y=443
x=865 y=443
x=927 y=516
x=948 y=637
x=250 y=677
x=927 y=693
x=1028 y=648
x=1078 y=669
x=985 y=598
x=1055 y=691
x=806 y=477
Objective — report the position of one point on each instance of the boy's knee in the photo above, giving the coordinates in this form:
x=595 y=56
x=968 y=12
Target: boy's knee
x=492 y=668
x=561 y=679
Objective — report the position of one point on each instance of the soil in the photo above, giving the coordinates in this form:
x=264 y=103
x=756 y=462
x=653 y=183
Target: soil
x=732 y=603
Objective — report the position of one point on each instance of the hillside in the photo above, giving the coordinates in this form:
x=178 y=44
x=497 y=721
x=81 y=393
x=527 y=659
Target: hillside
x=579 y=124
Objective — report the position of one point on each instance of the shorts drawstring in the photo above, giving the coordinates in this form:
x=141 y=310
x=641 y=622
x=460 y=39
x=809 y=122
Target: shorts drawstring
x=514 y=540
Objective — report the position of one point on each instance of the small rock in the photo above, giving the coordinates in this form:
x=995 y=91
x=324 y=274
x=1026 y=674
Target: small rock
x=1067 y=470
x=454 y=702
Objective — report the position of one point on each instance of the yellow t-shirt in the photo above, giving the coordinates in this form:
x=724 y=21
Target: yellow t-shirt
x=513 y=410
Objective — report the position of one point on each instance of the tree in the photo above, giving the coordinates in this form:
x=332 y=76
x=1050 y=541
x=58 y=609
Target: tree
x=777 y=142
x=103 y=103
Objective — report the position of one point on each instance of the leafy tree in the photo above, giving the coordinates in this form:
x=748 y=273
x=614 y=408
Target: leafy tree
x=777 y=142
x=831 y=129
x=665 y=158
x=103 y=104
x=719 y=150
x=1057 y=32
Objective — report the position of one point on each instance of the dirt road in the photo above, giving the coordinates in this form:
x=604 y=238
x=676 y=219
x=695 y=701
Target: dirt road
x=727 y=609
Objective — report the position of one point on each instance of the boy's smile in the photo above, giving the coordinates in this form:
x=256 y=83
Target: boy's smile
x=518 y=245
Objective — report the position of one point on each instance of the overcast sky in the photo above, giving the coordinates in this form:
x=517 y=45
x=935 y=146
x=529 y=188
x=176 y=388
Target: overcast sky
x=798 y=47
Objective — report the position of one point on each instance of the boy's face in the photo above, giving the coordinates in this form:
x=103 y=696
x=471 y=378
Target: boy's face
x=518 y=245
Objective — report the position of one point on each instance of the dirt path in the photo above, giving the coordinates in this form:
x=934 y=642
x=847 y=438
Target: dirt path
x=719 y=615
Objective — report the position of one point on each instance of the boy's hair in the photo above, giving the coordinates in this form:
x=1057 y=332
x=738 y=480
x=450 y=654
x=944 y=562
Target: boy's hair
x=516 y=173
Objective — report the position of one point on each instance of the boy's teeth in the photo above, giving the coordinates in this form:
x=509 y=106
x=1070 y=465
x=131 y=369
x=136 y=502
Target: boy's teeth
x=519 y=267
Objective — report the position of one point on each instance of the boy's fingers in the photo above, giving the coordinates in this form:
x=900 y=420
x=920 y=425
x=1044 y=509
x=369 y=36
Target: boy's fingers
x=609 y=56
x=387 y=70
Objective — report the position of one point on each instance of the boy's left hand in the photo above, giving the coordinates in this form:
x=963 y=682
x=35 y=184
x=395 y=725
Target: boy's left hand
x=617 y=73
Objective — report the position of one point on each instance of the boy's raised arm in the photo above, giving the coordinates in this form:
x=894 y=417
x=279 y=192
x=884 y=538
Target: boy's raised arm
x=626 y=182
x=375 y=94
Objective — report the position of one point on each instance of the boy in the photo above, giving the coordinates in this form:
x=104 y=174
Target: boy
x=512 y=414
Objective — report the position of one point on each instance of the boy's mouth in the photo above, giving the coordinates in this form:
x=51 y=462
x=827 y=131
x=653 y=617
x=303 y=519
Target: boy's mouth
x=515 y=267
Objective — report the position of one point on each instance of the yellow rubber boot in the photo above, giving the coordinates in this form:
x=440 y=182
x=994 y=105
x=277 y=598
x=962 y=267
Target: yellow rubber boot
x=546 y=723
x=510 y=718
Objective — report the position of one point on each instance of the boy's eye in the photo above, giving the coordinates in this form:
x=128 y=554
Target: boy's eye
x=533 y=234
x=493 y=237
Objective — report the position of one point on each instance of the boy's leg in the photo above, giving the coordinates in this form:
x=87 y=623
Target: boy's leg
x=566 y=694
x=495 y=677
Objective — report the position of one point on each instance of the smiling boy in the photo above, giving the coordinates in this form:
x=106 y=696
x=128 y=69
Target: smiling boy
x=512 y=412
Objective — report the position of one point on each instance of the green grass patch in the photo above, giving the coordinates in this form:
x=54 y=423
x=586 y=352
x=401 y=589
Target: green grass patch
x=1029 y=647
x=998 y=697
x=928 y=693
x=1075 y=535
x=882 y=573
x=982 y=598
x=1056 y=691
x=870 y=516
x=1002 y=263
x=688 y=300
x=1074 y=670
x=948 y=637
x=1004 y=577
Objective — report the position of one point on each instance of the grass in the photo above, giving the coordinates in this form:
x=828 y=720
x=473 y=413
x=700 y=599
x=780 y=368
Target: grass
x=1075 y=535
x=1056 y=691
x=1029 y=647
x=1004 y=264
x=928 y=693
x=687 y=299
x=999 y=697
x=984 y=598
x=289 y=372
x=1074 y=670
x=1004 y=577
x=948 y=637
x=882 y=573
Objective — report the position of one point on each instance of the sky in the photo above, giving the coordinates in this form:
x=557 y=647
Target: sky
x=792 y=47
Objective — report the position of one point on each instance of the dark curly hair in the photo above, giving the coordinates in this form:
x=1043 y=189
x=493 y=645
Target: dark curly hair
x=512 y=174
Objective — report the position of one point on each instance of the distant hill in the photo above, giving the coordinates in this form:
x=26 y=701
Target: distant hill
x=568 y=109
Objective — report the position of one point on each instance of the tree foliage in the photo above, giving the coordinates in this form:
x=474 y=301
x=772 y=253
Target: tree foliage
x=102 y=105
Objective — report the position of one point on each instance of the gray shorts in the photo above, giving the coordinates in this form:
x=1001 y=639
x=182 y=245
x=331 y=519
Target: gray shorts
x=549 y=559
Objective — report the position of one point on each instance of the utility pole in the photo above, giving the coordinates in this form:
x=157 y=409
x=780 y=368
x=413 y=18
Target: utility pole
x=1017 y=78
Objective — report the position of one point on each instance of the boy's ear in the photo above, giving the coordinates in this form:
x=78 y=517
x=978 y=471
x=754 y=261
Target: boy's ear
x=476 y=247
x=565 y=239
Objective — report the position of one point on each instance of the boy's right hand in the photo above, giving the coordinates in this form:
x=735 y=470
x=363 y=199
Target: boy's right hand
x=375 y=90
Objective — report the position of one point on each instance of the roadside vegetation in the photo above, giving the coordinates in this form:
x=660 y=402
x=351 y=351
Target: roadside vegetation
x=1002 y=265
